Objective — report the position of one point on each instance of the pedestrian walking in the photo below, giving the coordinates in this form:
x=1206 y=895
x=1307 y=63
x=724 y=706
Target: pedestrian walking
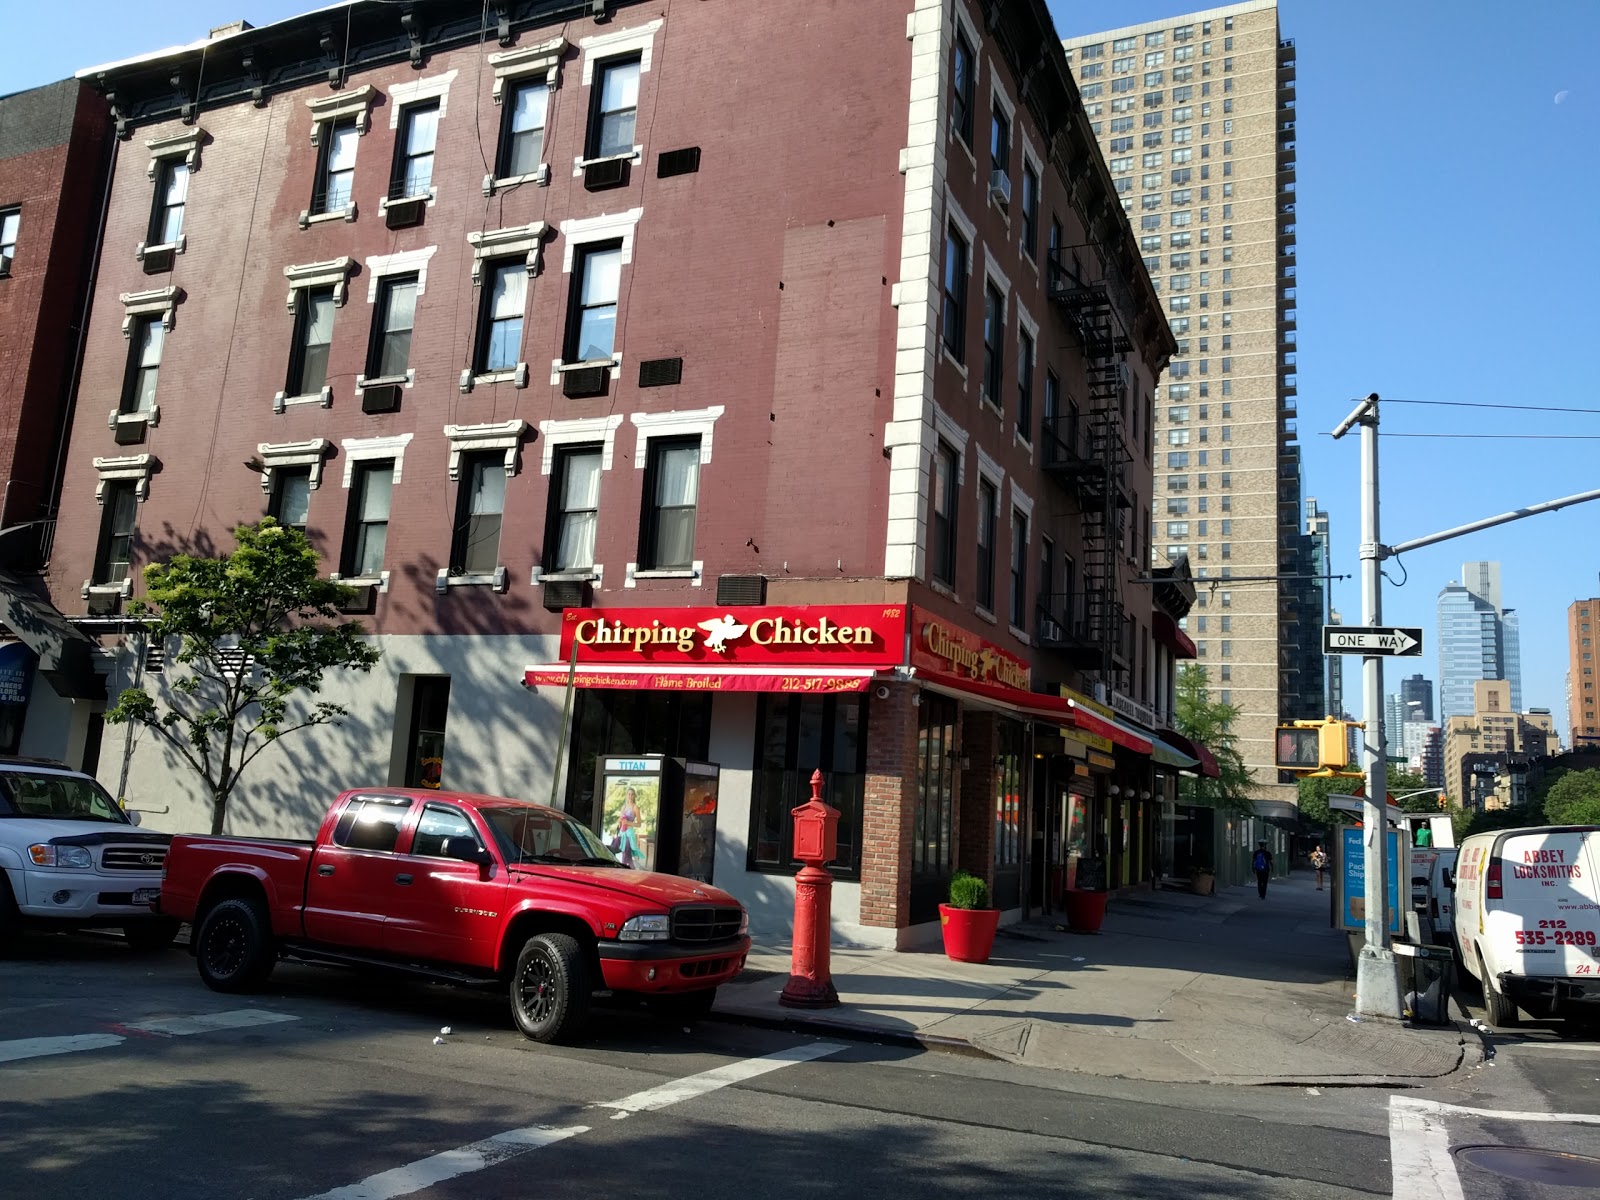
x=1319 y=860
x=1261 y=864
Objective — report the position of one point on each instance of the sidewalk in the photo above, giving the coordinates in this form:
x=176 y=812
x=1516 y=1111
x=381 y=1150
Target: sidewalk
x=1175 y=988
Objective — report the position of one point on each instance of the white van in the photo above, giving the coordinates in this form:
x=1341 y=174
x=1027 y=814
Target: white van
x=1527 y=920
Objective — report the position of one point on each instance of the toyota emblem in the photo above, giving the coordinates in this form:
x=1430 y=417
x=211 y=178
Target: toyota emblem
x=149 y=860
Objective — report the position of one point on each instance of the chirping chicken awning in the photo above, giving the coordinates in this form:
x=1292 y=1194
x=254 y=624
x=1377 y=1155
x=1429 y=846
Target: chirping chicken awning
x=636 y=677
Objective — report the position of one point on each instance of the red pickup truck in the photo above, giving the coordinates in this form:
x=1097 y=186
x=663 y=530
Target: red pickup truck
x=469 y=889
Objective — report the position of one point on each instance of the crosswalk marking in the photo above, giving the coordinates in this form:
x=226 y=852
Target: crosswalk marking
x=718 y=1077
x=1419 y=1143
x=44 y=1047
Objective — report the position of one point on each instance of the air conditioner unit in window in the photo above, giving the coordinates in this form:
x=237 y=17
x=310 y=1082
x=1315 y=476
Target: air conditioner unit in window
x=609 y=173
x=660 y=372
x=1000 y=188
x=734 y=590
x=104 y=602
x=364 y=600
x=159 y=259
x=566 y=593
x=130 y=433
x=586 y=381
x=402 y=214
x=380 y=398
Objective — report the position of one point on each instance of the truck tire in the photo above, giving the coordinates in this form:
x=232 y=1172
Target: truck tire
x=685 y=1006
x=550 y=988
x=233 y=946
x=1501 y=1011
x=10 y=917
x=146 y=937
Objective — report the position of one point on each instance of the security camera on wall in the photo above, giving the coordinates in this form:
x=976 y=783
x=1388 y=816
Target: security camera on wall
x=883 y=691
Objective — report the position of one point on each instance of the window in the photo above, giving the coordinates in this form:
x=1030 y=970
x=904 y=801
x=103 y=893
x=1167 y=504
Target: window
x=445 y=833
x=1019 y=569
x=413 y=152
x=1000 y=141
x=116 y=533
x=1025 y=384
x=955 y=295
x=797 y=735
x=988 y=519
x=480 y=502
x=522 y=131
x=369 y=519
x=500 y=329
x=172 y=192
x=574 y=509
x=616 y=105
x=672 y=490
x=372 y=823
x=942 y=540
x=290 y=502
x=994 y=329
x=1122 y=125
x=391 y=336
x=430 y=706
x=1121 y=145
x=592 y=321
x=961 y=88
x=336 y=168
x=313 y=332
x=144 y=365
x=1030 y=211
x=10 y=223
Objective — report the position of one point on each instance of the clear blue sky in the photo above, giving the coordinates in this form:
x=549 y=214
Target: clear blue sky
x=1446 y=200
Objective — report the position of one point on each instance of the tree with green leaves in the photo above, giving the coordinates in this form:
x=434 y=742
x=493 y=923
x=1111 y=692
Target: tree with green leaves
x=1314 y=792
x=252 y=634
x=1210 y=722
x=1572 y=797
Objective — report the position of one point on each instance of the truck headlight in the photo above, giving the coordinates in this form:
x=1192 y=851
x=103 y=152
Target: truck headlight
x=656 y=927
x=75 y=858
x=744 y=923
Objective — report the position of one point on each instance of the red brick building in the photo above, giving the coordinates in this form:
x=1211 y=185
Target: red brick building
x=54 y=144
x=623 y=311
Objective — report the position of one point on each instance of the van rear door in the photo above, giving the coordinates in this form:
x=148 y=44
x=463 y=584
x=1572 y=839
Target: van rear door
x=1551 y=906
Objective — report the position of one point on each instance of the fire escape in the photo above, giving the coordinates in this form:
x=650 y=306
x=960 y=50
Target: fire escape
x=1085 y=453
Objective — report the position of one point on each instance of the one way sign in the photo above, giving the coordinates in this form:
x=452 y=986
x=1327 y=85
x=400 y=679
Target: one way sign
x=1386 y=641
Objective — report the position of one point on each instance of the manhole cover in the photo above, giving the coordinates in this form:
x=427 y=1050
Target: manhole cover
x=1534 y=1166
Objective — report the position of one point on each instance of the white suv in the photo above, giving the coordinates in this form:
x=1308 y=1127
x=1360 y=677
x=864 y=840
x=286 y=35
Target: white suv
x=71 y=858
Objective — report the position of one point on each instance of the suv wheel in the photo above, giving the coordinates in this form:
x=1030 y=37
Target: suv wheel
x=1501 y=1010
x=233 y=946
x=550 y=988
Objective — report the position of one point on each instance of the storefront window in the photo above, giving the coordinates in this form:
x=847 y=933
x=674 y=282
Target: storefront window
x=931 y=841
x=615 y=722
x=796 y=735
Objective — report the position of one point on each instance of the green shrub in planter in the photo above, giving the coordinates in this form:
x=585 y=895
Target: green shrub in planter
x=968 y=891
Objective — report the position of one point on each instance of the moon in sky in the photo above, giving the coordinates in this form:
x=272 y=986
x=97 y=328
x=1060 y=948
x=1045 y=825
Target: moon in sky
x=1561 y=96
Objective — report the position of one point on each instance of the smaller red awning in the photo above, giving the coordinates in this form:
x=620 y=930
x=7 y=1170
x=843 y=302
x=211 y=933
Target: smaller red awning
x=635 y=677
x=1109 y=727
x=1169 y=635
x=1208 y=760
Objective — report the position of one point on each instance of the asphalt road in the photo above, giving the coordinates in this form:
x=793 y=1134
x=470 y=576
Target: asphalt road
x=122 y=1077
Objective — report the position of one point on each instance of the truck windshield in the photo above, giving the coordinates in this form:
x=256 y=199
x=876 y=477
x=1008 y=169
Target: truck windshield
x=538 y=835
x=56 y=798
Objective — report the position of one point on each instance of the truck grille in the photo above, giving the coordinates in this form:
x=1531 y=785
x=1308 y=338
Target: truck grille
x=705 y=923
x=133 y=858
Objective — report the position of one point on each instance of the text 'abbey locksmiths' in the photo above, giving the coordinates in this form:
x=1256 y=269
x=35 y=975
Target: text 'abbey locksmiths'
x=864 y=635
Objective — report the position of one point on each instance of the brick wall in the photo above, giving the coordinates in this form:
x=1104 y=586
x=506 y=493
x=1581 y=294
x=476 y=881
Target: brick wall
x=891 y=793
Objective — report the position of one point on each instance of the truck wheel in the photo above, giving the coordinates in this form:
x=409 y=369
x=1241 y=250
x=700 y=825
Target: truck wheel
x=233 y=946
x=146 y=937
x=685 y=1006
x=1501 y=1011
x=550 y=988
x=10 y=918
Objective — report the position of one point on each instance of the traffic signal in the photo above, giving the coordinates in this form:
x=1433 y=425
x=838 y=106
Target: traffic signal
x=1444 y=801
x=1313 y=746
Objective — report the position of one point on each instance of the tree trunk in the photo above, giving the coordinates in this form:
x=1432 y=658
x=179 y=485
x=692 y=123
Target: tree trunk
x=219 y=813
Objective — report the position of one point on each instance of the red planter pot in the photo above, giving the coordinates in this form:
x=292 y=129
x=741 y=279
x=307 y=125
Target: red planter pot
x=968 y=932
x=1086 y=910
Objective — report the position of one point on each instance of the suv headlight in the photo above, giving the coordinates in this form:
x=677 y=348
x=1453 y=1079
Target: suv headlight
x=656 y=927
x=75 y=858
x=744 y=922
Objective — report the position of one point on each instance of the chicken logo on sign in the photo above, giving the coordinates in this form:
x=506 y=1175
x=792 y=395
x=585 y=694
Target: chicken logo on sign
x=720 y=631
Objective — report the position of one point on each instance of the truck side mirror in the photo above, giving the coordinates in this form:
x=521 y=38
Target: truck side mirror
x=483 y=858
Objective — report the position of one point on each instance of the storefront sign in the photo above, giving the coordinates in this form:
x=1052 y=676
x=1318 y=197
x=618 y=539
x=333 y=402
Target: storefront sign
x=1128 y=707
x=16 y=672
x=689 y=679
x=1092 y=740
x=857 y=635
x=950 y=650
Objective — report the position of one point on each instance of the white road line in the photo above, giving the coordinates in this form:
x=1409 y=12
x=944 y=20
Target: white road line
x=238 y=1018
x=42 y=1047
x=463 y=1160
x=718 y=1077
x=425 y=1172
x=1419 y=1143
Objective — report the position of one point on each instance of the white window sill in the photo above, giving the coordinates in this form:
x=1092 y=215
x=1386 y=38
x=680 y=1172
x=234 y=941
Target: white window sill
x=539 y=178
x=944 y=351
x=121 y=590
x=431 y=195
x=1032 y=260
x=363 y=381
x=495 y=579
x=379 y=581
x=1003 y=210
x=1021 y=635
x=957 y=141
x=177 y=247
x=573 y=575
x=323 y=399
x=635 y=155
x=309 y=218
x=561 y=368
x=517 y=376
x=985 y=614
x=985 y=403
x=150 y=417
x=943 y=589
x=683 y=573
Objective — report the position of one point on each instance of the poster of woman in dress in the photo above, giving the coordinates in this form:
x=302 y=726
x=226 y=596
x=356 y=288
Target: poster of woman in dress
x=631 y=817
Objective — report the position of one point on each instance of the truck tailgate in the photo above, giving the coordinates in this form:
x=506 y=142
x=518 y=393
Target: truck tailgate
x=279 y=866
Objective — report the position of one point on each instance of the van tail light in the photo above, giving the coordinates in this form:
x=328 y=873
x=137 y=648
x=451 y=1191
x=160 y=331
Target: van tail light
x=1491 y=883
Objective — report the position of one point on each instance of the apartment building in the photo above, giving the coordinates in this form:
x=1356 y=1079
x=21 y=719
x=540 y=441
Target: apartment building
x=1493 y=739
x=1582 y=719
x=585 y=357
x=1196 y=117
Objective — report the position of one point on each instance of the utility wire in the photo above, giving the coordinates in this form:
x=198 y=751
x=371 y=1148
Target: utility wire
x=1512 y=407
x=1536 y=437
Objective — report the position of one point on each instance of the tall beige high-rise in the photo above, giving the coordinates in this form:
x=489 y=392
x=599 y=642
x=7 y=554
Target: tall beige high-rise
x=1196 y=118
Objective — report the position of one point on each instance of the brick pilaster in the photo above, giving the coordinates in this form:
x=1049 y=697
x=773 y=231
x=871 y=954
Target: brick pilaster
x=888 y=808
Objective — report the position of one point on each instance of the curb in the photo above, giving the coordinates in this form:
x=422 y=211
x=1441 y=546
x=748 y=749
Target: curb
x=857 y=1031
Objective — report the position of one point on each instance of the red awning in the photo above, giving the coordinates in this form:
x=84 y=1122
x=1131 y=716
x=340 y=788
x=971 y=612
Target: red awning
x=1109 y=727
x=1208 y=761
x=634 y=677
x=1166 y=632
x=1040 y=707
